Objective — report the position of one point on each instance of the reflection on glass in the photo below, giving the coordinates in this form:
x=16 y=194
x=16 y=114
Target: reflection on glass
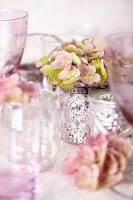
x=105 y=115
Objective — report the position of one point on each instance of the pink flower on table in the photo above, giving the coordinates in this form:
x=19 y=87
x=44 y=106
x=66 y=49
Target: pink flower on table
x=100 y=162
x=12 y=88
x=63 y=60
x=88 y=74
x=8 y=82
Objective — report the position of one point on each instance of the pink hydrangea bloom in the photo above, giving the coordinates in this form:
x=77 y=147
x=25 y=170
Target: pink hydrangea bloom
x=88 y=74
x=63 y=60
x=100 y=162
x=86 y=56
x=12 y=88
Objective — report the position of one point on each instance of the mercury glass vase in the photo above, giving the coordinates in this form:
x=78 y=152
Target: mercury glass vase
x=74 y=114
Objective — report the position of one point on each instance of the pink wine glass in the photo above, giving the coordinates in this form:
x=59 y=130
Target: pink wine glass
x=119 y=58
x=13 y=31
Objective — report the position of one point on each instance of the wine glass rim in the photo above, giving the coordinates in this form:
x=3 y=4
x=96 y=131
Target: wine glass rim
x=36 y=34
x=24 y=14
x=115 y=35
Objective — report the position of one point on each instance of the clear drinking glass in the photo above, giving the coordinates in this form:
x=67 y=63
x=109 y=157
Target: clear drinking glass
x=13 y=31
x=32 y=52
x=50 y=143
x=105 y=115
x=52 y=41
x=29 y=143
x=20 y=150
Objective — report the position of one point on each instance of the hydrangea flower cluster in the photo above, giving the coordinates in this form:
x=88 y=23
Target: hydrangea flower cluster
x=14 y=89
x=100 y=162
x=76 y=61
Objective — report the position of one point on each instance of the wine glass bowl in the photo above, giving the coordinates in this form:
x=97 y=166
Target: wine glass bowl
x=119 y=58
x=13 y=31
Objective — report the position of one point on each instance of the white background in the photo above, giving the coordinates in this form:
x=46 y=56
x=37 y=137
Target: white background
x=99 y=17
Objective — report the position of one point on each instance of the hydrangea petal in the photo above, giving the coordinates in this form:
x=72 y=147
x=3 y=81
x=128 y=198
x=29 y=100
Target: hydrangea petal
x=121 y=159
x=67 y=74
x=98 y=139
x=71 y=48
x=95 y=78
x=9 y=82
x=75 y=59
x=86 y=155
x=63 y=60
x=72 y=165
x=109 y=181
x=99 y=64
x=87 y=69
x=99 y=45
x=41 y=61
x=111 y=164
x=88 y=47
x=87 y=177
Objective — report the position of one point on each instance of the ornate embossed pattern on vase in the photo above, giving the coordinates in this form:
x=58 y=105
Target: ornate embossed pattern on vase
x=74 y=115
